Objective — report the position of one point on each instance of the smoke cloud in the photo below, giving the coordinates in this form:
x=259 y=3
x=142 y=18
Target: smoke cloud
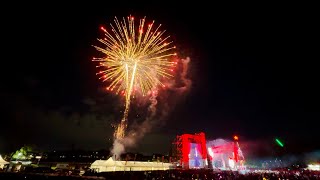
x=187 y=82
x=118 y=149
x=181 y=83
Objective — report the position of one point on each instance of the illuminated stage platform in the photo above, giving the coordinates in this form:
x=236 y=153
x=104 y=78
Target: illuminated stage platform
x=193 y=151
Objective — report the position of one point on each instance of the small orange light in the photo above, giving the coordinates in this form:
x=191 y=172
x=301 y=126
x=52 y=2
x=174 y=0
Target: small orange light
x=235 y=138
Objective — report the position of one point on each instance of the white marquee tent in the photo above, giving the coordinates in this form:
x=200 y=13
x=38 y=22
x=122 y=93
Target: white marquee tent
x=2 y=162
x=111 y=165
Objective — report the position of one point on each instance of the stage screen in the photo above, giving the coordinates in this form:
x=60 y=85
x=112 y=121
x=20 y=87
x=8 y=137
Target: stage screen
x=195 y=158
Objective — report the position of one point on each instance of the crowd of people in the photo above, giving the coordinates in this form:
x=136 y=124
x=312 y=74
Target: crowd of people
x=210 y=174
x=204 y=174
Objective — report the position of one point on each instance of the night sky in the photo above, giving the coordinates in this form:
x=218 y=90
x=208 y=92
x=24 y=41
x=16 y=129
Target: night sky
x=253 y=73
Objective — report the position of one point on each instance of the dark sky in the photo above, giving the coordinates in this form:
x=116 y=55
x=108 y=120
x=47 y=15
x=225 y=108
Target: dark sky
x=253 y=69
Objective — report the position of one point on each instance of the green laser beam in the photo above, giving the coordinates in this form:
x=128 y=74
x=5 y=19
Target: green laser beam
x=279 y=142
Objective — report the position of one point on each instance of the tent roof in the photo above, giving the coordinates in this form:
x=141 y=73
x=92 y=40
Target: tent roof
x=2 y=161
x=111 y=162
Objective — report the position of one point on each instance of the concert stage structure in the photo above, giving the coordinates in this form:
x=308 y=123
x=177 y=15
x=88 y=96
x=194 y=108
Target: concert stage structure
x=189 y=151
x=193 y=151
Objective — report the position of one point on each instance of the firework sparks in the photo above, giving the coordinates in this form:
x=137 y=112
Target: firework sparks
x=136 y=60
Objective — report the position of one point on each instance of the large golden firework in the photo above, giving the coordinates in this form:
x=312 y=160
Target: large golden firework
x=136 y=60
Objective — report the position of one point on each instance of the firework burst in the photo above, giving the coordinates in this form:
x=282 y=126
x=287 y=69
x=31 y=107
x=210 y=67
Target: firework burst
x=136 y=60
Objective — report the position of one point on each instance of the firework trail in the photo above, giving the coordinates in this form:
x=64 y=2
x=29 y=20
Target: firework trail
x=137 y=132
x=156 y=118
x=136 y=60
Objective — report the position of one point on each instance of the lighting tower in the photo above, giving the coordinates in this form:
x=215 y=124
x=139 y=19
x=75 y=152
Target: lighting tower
x=235 y=148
